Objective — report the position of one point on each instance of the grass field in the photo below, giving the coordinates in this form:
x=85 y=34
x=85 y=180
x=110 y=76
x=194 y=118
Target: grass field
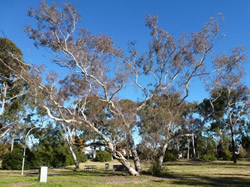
x=179 y=173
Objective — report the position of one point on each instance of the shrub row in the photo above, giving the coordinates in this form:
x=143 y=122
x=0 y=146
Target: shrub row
x=59 y=156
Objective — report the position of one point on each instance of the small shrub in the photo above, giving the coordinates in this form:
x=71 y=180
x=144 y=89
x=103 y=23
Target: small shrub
x=103 y=156
x=226 y=155
x=242 y=152
x=170 y=155
x=209 y=157
x=82 y=157
x=156 y=170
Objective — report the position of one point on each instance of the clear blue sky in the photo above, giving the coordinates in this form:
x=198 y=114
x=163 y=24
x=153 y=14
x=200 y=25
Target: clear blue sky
x=124 y=20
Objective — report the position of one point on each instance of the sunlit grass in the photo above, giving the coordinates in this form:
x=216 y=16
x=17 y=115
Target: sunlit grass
x=180 y=173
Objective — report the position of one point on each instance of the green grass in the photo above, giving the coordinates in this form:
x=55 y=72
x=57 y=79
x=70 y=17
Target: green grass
x=180 y=173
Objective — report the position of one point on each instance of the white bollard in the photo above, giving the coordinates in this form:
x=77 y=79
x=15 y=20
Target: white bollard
x=43 y=172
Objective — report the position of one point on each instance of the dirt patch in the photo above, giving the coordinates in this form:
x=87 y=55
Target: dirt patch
x=20 y=184
x=68 y=180
x=126 y=179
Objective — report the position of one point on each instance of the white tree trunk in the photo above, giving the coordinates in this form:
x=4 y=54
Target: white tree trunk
x=194 y=153
x=163 y=151
x=68 y=137
x=3 y=98
x=134 y=152
x=94 y=153
x=74 y=156
x=12 y=139
x=125 y=163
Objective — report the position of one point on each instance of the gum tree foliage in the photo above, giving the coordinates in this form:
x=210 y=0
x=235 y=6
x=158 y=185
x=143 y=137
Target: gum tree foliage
x=12 y=89
x=11 y=86
x=232 y=108
x=105 y=122
x=160 y=122
x=229 y=98
x=206 y=148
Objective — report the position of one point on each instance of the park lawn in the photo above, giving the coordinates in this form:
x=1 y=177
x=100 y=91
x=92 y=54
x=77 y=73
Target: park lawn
x=179 y=173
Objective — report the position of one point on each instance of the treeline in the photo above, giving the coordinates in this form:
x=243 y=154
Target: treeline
x=51 y=151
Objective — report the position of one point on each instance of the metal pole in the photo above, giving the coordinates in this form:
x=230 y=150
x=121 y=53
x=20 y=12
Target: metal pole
x=23 y=158
x=25 y=145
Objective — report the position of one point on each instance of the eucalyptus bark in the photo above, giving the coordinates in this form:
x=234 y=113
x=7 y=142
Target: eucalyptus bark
x=119 y=156
x=194 y=153
x=125 y=163
x=94 y=153
x=233 y=144
x=134 y=151
x=188 y=150
x=69 y=142
x=74 y=156
x=13 y=139
x=163 y=152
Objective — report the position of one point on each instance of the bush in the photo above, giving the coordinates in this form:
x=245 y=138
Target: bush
x=103 y=156
x=13 y=160
x=242 y=152
x=170 y=155
x=68 y=160
x=57 y=155
x=3 y=150
x=82 y=157
x=209 y=157
x=226 y=155
x=156 y=170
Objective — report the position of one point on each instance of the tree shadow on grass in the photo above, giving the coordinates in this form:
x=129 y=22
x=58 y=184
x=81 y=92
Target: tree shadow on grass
x=89 y=173
x=191 y=163
x=238 y=175
x=99 y=173
x=204 y=163
x=197 y=180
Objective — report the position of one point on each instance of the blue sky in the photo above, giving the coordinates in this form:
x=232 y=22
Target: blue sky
x=125 y=20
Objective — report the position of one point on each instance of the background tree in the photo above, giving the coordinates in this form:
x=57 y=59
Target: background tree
x=160 y=120
x=12 y=92
x=233 y=107
x=11 y=88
